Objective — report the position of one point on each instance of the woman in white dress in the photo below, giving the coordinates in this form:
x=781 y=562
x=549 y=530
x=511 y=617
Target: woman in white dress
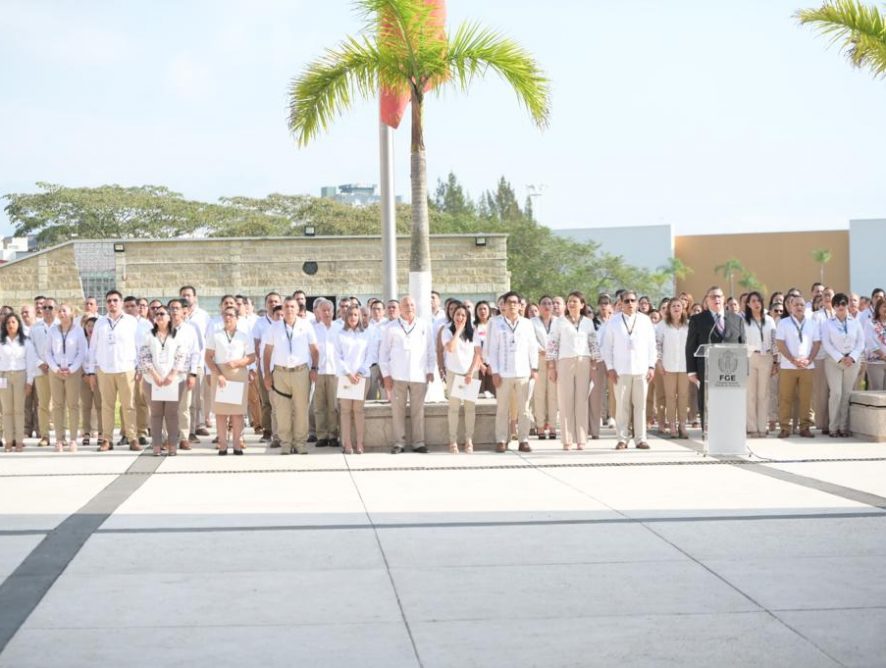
x=353 y=359
x=461 y=358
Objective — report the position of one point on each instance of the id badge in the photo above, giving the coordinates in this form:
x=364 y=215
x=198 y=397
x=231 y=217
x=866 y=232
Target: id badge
x=631 y=344
x=164 y=357
x=111 y=338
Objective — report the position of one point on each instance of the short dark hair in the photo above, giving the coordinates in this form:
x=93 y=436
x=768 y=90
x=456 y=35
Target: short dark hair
x=188 y=287
x=130 y=298
x=840 y=299
x=511 y=293
x=113 y=292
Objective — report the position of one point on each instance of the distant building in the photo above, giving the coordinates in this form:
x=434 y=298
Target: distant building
x=12 y=248
x=354 y=194
x=649 y=247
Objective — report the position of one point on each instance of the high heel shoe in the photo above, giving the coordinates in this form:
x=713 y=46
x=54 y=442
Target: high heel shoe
x=359 y=449
x=453 y=448
x=59 y=447
x=469 y=447
x=19 y=447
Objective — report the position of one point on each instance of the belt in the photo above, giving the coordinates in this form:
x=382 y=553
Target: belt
x=300 y=367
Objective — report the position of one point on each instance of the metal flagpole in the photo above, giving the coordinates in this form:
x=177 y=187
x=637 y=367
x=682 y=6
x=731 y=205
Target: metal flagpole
x=388 y=209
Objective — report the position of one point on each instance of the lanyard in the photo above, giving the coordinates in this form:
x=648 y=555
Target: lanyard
x=113 y=323
x=844 y=326
x=232 y=336
x=577 y=325
x=548 y=325
x=408 y=331
x=163 y=341
x=630 y=329
x=799 y=327
x=760 y=326
x=289 y=332
x=64 y=339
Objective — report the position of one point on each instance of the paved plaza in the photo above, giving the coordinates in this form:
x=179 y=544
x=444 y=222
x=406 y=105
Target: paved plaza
x=552 y=558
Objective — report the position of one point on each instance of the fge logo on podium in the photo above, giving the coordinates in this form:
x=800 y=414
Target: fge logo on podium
x=727 y=364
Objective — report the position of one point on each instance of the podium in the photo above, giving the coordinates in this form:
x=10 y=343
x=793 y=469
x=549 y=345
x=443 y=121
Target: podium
x=726 y=378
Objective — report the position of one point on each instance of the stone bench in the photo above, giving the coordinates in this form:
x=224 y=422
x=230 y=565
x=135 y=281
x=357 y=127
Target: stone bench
x=867 y=415
x=379 y=433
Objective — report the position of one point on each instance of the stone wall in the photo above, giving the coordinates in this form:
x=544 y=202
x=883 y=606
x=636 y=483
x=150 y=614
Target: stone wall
x=254 y=266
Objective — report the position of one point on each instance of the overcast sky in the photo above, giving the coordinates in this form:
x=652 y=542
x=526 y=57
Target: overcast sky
x=712 y=116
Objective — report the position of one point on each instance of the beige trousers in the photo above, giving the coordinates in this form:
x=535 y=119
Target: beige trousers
x=573 y=387
x=841 y=381
x=454 y=405
x=820 y=395
x=292 y=412
x=112 y=386
x=12 y=399
x=325 y=412
x=65 y=403
x=511 y=390
x=759 y=374
x=793 y=382
x=876 y=376
x=90 y=400
x=351 y=410
x=676 y=395
x=184 y=413
x=415 y=392
x=44 y=403
x=599 y=383
x=630 y=394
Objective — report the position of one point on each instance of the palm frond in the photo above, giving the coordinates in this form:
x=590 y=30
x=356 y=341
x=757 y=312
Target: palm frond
x=859 y=29
x=473 y=50
x=328 y=86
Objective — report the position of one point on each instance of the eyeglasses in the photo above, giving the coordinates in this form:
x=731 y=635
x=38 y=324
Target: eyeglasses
x=512 y=302
x=160 y=314
x=48 y=308
x=629 y=301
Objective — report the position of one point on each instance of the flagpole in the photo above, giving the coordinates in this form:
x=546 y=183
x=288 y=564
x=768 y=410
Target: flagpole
x=388 y=210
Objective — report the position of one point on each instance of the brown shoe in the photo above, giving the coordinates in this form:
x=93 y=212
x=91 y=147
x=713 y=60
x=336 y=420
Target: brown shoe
x=202 y=431
x=805 y=433
x=642 y=445
x=621 y=445
x=524 y=447
x=784 y=433
x=184 y=445
x=134 y=446
x=500 y=447
x=104 y=446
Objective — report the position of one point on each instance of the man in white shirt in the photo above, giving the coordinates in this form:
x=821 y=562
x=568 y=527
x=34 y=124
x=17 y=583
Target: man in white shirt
x=142 y=417
x=302 y=300
x=188 y=337
x=325 y=413
x=544 y=398
x=512 y=355
x=201 y=398
x=40 y=339
x=272 y=300
x=291 y=350
x=112 y=357
x=798 y=339
x=630 y=355
x=406 y=359
x=820 y=391
x=65 y=354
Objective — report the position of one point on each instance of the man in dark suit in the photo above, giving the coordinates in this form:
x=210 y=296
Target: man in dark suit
x=715 y=325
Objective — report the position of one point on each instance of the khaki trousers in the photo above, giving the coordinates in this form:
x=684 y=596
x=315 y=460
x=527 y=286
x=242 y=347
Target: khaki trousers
x=511 y=390
x=630 y=394
x=793 y=382
x=773 y=398
x=254 y=404
x=599 y=384
x=351 y=410
x=12 y=399
x=292 y=412
x=376 y=384
x=573 y=387
x=820 y=395
x=325 y=412
x=267 y=412
x=65 y=403
x=112 y=386
x=454 y=405
x=44 y=403
x=759 y=373
x=90 y=401
x=416 y=393
x=676 y=395
x=841 y=381
x=184 y=414
x=195 y=408
x=544 y=400
x=661 y=402
x=876 y=376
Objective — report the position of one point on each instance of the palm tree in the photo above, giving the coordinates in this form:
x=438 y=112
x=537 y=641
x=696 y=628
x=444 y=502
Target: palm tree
x=822 y=256
x=860 y=29
x=402 y=51
x=730 y=269
x=750 y=282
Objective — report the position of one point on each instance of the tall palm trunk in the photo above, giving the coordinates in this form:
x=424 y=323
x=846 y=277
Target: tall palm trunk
x=420 y=249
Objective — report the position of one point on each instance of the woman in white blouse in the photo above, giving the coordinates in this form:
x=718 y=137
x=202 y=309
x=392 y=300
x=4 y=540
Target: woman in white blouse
x=162 y=363
x=353 y=359
x=842 y=339
x=461 y=358
x=875 y=346
x=670 y=339
x=482 y=315
x=17 y=365
x=65 y=353
x=762 y=365
x=571 y=346
x=229 y=352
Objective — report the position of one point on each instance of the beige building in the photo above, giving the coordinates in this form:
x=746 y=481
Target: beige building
x=779 y=260
x=467 y=266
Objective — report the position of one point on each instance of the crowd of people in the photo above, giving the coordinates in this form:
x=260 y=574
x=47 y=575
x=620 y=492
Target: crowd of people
x=557 y=367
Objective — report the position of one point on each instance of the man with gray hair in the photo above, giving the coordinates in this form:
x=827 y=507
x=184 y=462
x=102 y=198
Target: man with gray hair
x=326 y=385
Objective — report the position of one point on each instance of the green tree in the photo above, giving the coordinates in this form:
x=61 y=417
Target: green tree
x=450 y=197
x=730 y=269
x=410 y=56
x=674 y=270
x=859 y=29
x=822 y=256
x=750 y=282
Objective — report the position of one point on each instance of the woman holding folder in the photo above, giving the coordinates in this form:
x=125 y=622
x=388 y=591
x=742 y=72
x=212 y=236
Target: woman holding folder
x=162 y=362
x=352 y=363
x=461 y=358
x=228 y=354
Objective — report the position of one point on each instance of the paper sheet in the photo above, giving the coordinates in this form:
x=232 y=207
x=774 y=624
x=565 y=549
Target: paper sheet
x=349 y=390
x=231 y=393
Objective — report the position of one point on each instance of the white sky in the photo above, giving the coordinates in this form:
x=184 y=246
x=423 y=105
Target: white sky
x=713 y=116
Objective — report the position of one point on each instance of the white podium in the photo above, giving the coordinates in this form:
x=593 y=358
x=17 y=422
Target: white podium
x=726 y=378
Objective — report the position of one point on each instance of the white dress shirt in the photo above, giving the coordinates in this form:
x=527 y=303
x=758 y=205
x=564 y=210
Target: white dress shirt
x=163 y=356
x=226 y=349
x=630 y=345
x=39 y=337
x=66 y=350
x=511 y=347
x=291 y=345
x=113 y=345
x=407 y=350
x=352 y=352
x=187 y=339
x=542 y=332
x=761 y=338
x=460 y=361
x=842 y=337
x=798 y=337
x=326 y=345
x=875 y=340
x=671 y=344
x=568 y=339
x=17 y=356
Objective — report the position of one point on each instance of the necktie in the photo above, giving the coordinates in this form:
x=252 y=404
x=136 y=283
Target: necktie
x=720 y=324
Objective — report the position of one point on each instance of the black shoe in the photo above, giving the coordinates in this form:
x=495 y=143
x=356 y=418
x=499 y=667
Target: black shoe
x=334 y=443
x=238 y=451
x=312 y=438
x=123 y=441
x=222 y=453
x=421 y=449
x=193 y=438
x=265 y=437
x=322 y=443
x=275 y=443
x=142 y=440
x=396 y=450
